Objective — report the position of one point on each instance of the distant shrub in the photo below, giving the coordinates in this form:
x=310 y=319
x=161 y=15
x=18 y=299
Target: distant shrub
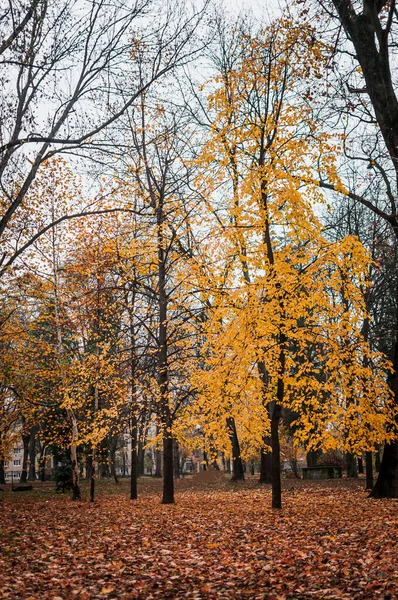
x=63 y=477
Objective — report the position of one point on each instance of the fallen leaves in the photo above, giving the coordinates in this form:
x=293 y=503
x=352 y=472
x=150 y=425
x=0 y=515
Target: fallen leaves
x=329 y=542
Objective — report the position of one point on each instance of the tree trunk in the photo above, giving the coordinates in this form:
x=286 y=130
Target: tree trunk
x=42 y=462
x=91 y=475
x=141 y=458
x=2 y=472
x=158 y=463
x=276 y=459
x=168 y=476
x=24 y=473
x=360 y=465
x=32 y=455
x=351 y=461
x=369 y=470
x=387 y=481
x=266 y=461
x=238 y=473
x=377 y=460
x=176 y=459
x=134 y=458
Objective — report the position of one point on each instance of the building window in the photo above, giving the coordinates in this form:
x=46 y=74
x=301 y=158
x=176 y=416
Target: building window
x=17 y=462
x=17 y=450
x=5 y=464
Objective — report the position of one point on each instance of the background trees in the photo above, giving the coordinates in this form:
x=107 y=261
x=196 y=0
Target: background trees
x=205 y=293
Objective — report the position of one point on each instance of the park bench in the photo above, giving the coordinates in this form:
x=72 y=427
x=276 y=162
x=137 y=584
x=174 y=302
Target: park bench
x=322 y=472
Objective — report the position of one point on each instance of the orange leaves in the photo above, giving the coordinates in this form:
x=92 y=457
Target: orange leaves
x=329 y=542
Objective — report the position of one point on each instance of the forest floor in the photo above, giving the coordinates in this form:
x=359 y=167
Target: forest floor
x=220 y=540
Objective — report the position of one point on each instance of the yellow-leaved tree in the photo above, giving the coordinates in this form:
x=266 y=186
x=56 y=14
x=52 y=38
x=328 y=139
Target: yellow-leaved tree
x=284 y=304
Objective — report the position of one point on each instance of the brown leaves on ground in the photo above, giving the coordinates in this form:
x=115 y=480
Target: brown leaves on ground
x=329 y=541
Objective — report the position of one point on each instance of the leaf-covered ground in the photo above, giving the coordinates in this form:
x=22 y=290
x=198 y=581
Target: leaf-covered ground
x=219 y=541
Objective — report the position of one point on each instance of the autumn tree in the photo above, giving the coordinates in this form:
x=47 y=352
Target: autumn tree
x=283 y=282
x=363 y=62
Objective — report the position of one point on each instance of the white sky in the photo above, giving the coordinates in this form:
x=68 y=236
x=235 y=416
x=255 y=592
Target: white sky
x=259 y=8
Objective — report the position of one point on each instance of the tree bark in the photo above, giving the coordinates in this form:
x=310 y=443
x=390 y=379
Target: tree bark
x=42 y=463
x=32 y=455
x=266 y=462
x=24 y=473
x=371 y=39
x=387 y=482
x=134 y=458
x=276 y=458
x=351 y=461
x=360 y=465
x=2 y=472
x=369 y=470
x=238 y=473
x=176 y=459
x=91 y=474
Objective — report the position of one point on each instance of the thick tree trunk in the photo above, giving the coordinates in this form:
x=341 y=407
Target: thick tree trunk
x=369 y=470
x=387 y=482
x=266 y=462
x=238 y=473
x=351 y=461
x=360 y=465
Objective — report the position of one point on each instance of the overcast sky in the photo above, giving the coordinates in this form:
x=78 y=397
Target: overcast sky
x=259 y=8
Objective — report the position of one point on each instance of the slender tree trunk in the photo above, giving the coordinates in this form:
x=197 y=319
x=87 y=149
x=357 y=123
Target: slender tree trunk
x=360 y=465
x=32 y=455
x=141 y=458
x=42 y=463
x=134 y=457
x=276 y=458
x=158 y=457
x=168 y=476
x=91 y=474
x=176 y=459
x=238 y=473
x=228 y=466
x=369 y=470
x=2 y=472
x=351 y=461
x=24 y=473
x=377 y=460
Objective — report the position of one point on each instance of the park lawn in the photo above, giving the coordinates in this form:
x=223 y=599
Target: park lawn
x=218 y=541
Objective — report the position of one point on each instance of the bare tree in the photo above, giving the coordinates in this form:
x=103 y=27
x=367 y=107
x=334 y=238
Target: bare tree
x=365 y=36
x=69 y=70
